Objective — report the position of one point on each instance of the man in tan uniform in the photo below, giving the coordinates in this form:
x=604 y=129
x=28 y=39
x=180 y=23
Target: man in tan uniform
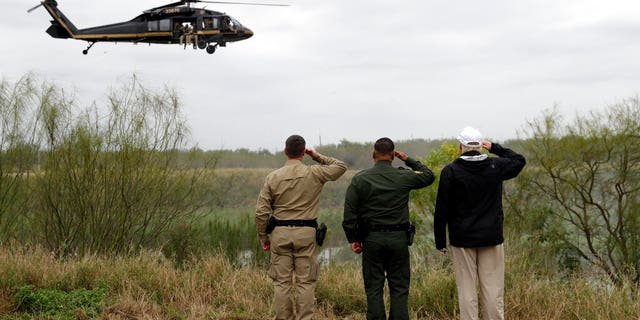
x=291 y=195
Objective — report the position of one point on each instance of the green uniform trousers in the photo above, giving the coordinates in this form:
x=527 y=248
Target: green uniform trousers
x=386 y=255
x=293 y=255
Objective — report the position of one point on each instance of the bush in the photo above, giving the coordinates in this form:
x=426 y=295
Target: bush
x=58 y=304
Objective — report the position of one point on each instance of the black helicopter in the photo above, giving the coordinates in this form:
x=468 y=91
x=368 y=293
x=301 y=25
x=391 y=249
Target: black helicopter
x=174 y=23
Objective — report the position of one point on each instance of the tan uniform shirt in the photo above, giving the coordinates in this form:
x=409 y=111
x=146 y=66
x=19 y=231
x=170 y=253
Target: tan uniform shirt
x=293 y=191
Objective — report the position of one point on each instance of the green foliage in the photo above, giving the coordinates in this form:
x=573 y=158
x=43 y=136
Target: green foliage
x=244 y=158
x=232 y=188
x=18 y=153
x=118 y=178
x=357 y=155
x=423 y=200
x=586 y=174
x=58 y=304
x=147 y=286
x=111 y=183
x=230 y=231
x=433 y=292
x=344 y=297
x=102 y=179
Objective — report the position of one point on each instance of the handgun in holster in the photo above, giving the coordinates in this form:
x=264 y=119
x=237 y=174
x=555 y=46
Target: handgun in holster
x=321 y=234
x=411 y=233
x=271 y=224
x=362 y=230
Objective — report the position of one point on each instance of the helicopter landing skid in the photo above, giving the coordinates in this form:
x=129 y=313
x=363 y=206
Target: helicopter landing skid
x=85 y=51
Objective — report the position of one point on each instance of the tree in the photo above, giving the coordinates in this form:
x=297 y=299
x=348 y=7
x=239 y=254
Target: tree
x=423 y=201
x=111 y=183
x=587 y=174
x=18 y=152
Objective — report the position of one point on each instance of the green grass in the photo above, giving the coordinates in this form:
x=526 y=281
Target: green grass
x=60 y=304
x=35 y=284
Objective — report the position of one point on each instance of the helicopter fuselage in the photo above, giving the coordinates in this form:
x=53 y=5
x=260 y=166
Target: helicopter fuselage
x=204 y=29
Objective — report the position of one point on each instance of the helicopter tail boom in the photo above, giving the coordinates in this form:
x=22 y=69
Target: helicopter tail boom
x=61 y=27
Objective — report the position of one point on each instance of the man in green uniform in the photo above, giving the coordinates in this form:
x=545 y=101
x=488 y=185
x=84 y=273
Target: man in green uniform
x=291 y=195
x=376 y=223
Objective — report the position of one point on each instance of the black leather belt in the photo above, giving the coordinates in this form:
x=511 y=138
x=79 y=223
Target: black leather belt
x=297 y=223
x=389 y=227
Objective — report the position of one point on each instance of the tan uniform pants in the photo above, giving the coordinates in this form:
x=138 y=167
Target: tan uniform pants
x=486 y=266
x=293 y=256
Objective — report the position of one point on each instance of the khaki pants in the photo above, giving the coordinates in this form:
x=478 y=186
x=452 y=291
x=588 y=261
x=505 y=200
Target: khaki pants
x=486 y=266
x=293 y=256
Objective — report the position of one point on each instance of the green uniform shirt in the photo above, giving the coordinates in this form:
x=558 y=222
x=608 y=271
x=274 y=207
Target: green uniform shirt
x=380 y=195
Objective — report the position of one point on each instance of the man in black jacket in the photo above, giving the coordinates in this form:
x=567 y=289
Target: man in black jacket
x=469 y=202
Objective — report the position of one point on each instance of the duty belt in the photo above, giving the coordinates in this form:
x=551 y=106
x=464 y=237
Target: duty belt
x=389 y=227
x=297 y=223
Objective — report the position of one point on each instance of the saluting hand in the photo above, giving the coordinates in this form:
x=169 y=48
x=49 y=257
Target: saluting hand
x=400 y=155
x=487 y=145
x=311 y=153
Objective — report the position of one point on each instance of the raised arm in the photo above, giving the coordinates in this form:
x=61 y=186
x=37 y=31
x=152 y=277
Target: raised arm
x=330 y=169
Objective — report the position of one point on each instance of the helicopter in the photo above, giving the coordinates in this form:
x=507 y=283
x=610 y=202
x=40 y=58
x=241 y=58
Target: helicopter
x=173 y=23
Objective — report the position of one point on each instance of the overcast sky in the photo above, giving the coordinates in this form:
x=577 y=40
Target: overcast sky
x=355 y=70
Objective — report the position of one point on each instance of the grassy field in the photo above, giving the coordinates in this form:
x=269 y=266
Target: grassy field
x=213 y=268
x=34 y=284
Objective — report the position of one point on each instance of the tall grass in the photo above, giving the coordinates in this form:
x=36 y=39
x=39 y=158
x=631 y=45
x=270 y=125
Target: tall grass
x=149 y=286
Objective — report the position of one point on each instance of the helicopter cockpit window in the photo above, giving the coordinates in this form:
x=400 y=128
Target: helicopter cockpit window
x=231 y=24
x=235 y=22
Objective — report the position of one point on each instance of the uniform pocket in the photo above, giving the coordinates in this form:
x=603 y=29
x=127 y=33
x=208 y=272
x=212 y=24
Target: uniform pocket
x=272 y=270
x=306 y=269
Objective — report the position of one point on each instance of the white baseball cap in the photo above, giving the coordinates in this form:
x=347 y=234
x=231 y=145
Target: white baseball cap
x=470 y=137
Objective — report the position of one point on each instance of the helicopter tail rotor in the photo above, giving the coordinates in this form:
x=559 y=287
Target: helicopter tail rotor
x=36 y=7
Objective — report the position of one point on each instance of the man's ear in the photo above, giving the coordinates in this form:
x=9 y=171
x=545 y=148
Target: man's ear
x=286 y=152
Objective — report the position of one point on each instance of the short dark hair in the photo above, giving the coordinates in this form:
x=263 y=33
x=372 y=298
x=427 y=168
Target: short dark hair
x=295 y=146
x=384 y=146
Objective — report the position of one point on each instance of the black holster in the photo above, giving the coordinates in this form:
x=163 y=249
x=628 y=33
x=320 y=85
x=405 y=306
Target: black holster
x=362 y=230
x=411 y=233
x=271 y=224
x=321 y=234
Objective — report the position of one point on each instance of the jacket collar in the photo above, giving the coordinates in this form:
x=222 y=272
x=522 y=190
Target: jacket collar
x=473 y=156
x=292 y=162
x=382 y=164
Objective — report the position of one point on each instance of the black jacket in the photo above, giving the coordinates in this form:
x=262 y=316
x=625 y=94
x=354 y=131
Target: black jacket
x=470 y=198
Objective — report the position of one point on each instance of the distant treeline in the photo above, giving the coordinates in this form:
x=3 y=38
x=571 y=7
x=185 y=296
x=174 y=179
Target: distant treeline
x=356 y=154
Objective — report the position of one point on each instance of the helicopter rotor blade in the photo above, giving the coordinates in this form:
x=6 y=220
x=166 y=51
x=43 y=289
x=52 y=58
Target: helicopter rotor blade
x=168 y=5
x=36 y=7
x=246 y=3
